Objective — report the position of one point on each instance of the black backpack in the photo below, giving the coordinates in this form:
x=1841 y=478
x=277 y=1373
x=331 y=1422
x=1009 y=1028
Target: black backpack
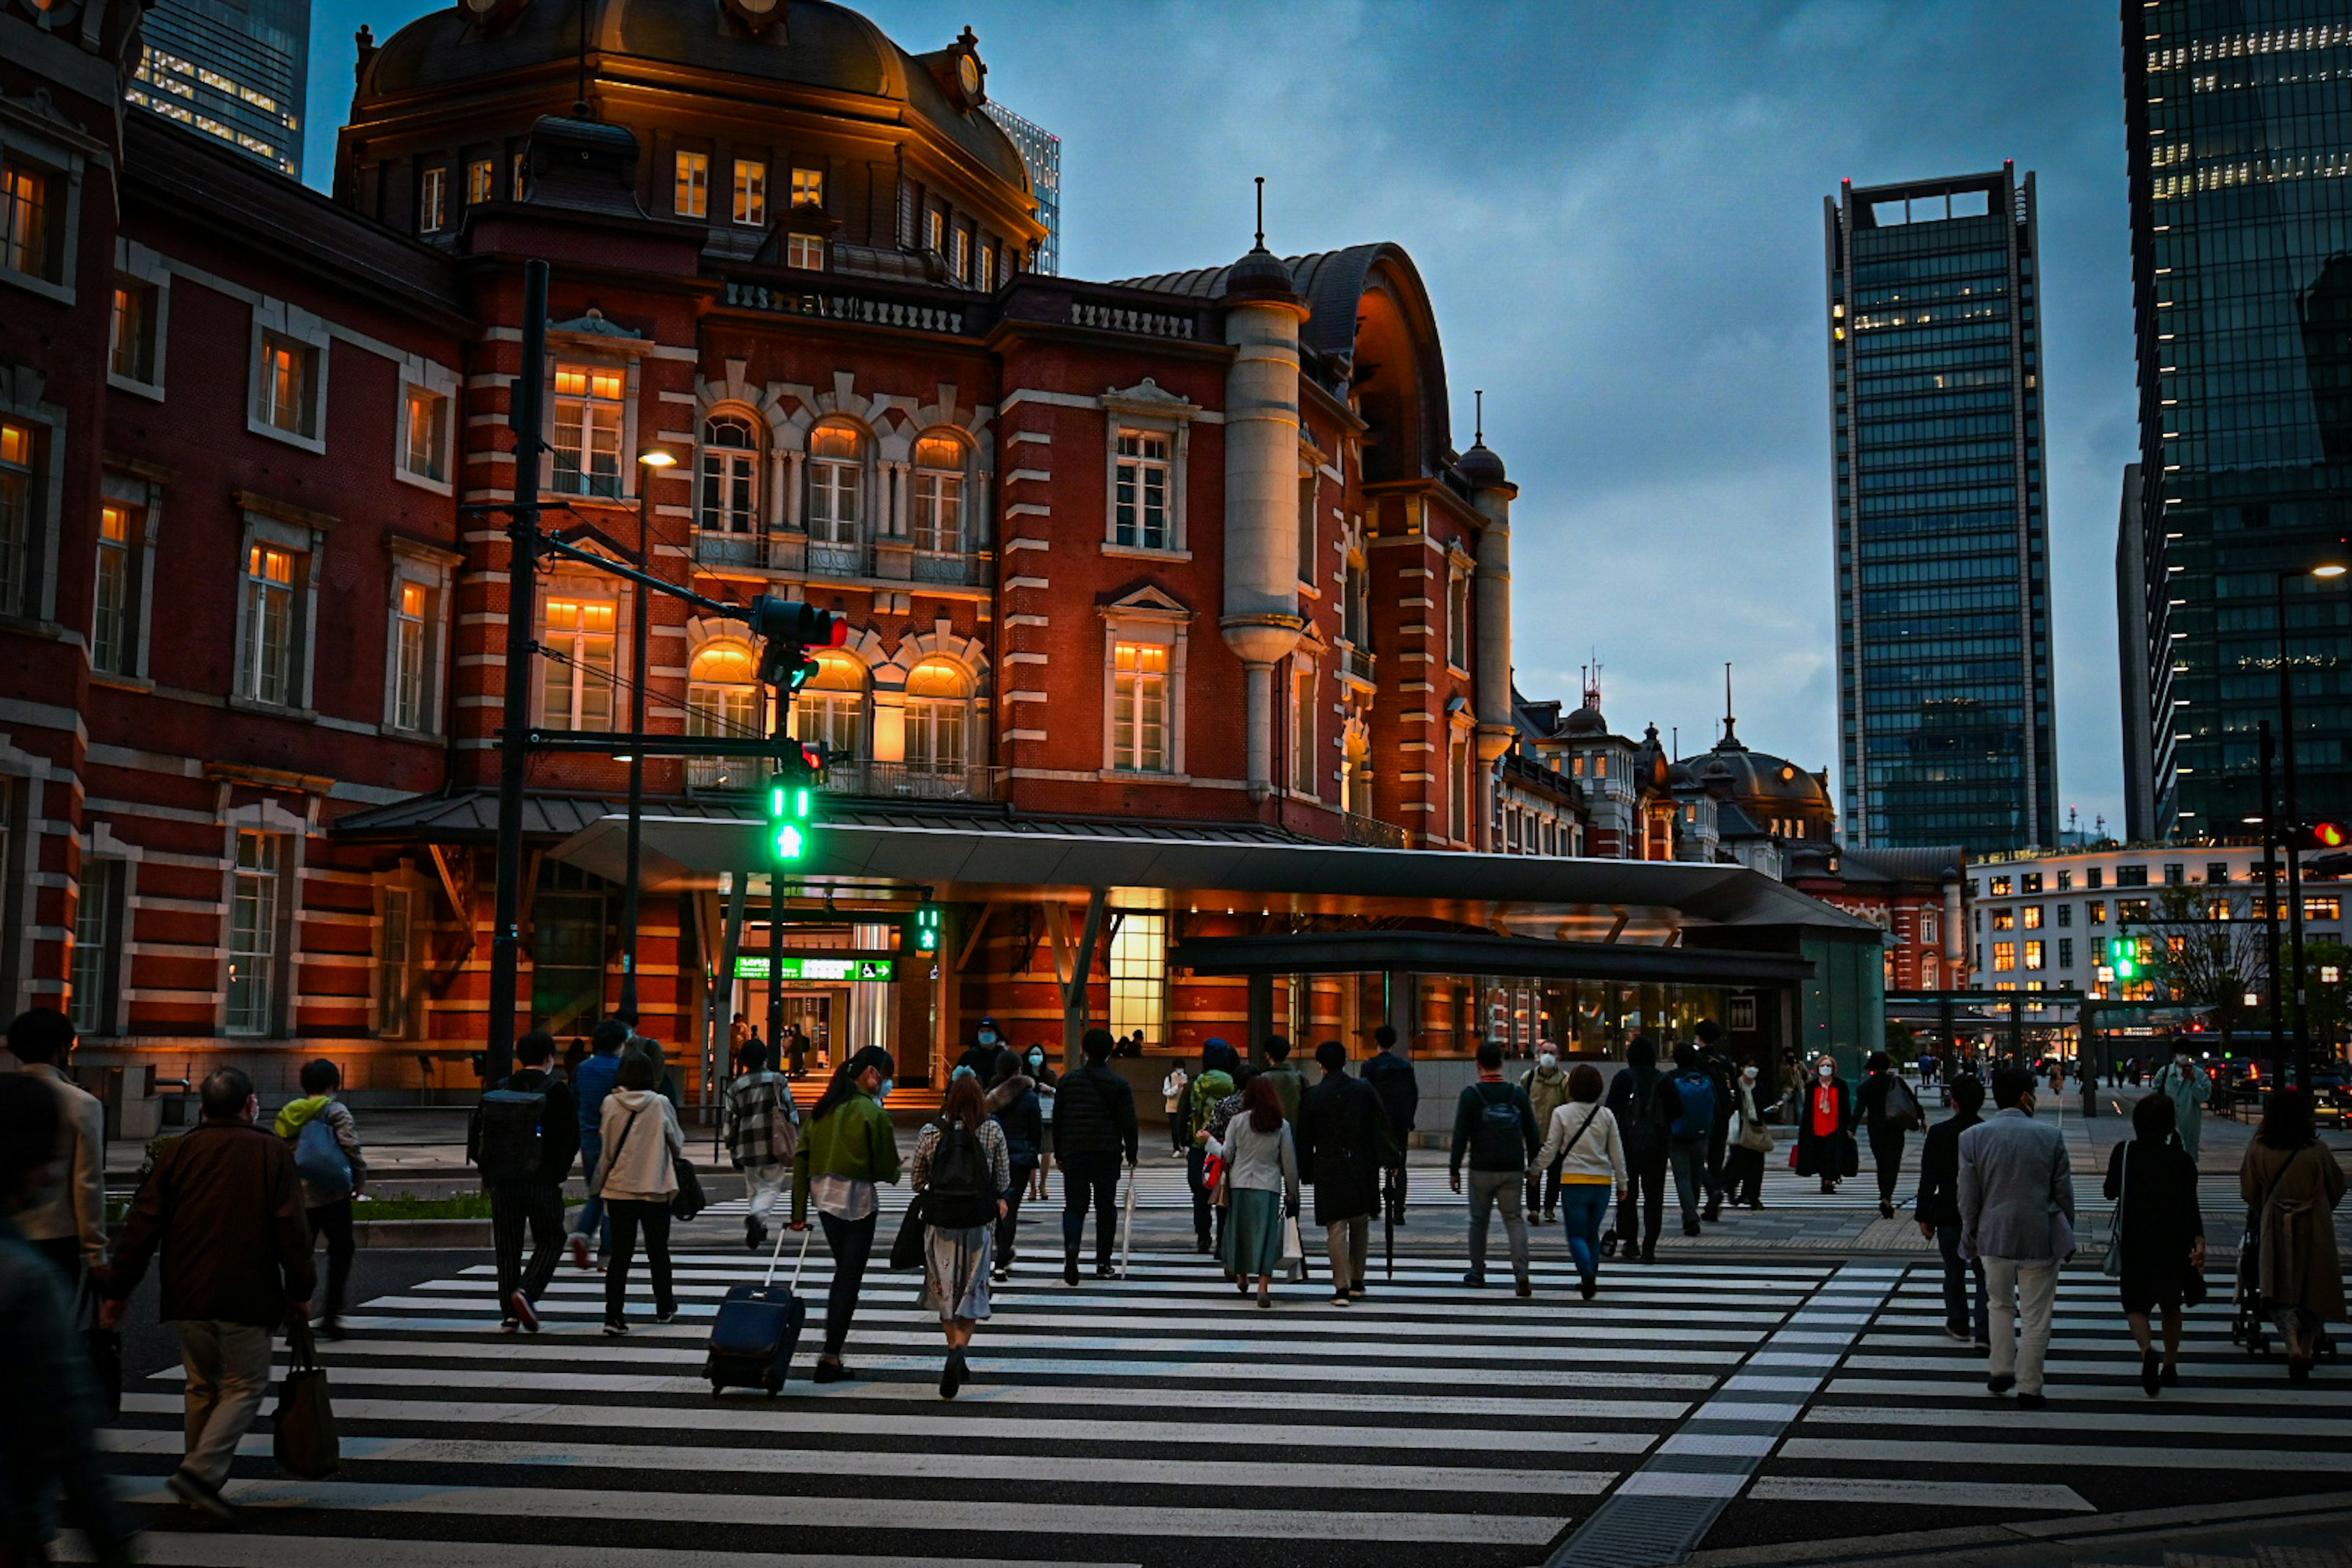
x=1496 y=1140
x=962 y=1192
x=507 y=1149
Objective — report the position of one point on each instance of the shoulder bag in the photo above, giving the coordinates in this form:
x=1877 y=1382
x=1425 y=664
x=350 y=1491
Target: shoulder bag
x=2112 y=1265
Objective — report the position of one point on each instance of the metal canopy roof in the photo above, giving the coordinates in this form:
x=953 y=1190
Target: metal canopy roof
x=1629 y=901
x=1456 y=952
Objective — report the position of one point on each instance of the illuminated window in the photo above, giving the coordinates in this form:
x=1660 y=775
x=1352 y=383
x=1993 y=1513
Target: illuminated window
x=938 y=494
x=516 y=168
x=987 y=270
x=432 y=199
x=750 y=191
x=1139 y=707
x=270 y=625
x=481 y=181
x=808 y=187
x=424 y=431
x=729 y=502
x=2130 y=910
x=1930 y=925
x=285 y=396
x=26 y=218
x=2322 y=909
x=832 y=706
x=2000 y=887
x=396 y=967
x=410 y=651
x=805 y=251
x=935 y=230
x=253 y=940
x=835 y=476
x=723 y=698
x=16 y=497
x=133 y=355
x=2033 y=955
x=588 y=430
x=2030 y=882
x=2096 y=910
x=2005 y=955
x=1138 y=974
x=112 y=648
x=690 y=196
x=577 y=664
x=939 y=703
x=1304 y=750
x=962 y=264
x=1140 y=507
x=2005 y=919
x=2033 y=917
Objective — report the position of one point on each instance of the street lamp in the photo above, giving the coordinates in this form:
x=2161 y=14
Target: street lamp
x=2325 y=570
x=652 y=460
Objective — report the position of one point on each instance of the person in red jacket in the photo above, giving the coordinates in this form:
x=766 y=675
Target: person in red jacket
x=1825 y=1113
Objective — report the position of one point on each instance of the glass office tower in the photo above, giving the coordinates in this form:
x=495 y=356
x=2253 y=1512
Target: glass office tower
x=232 y=69
x=1041 y=151
x=2239 y=121
x=1945 y=730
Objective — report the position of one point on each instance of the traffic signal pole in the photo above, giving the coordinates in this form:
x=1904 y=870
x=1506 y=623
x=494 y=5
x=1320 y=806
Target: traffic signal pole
x=2293 y=852
x=526 y=404
x=2270 y=901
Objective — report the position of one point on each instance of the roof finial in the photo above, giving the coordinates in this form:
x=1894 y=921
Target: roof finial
x=1728 y=739
x=1261 y=212
x=1478 y=420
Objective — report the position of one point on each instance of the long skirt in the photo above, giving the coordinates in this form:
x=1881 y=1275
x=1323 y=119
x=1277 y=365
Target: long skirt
x=1254 y=1233
x=955 y=1270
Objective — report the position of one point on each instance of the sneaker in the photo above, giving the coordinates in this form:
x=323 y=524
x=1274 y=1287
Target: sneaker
x=508 y=1326
x=1474 y=1280
x=832 y=1372
x=1339 y=1298
x=1886 y=1211
x=998 y=1276
x=1105 y=1271
x=667 y=1315
x=1356 y=1291
x=755 y=1235
x=1984 y=1346
x=2031 y=1402
x=950 y=1375
x=2001 y=1382
x=579 y=1251
x=1957 y=1336
x=202 y=1495
x=524 y=1312
x=616 y=1326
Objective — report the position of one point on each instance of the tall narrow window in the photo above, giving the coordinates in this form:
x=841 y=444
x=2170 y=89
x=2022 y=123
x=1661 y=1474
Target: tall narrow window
x=111 y=644
x=425 y=432
x=16 y=489
x=1457 y=621
x=253 y=935
x=516 y=168
x=988 y=270
x=411 y=625
x=835 y=471
x=750 y=191
x=963 y=255
x=269 y=624
x=1306 y=530
x=133 y=357
x=730 y=476
x=808 y=187
x=98 y=946
x=935 y=231
x=805 y=251
x=938 y=494
x=938 y=699
x=1356 y=604
x=283 y=391
x=577 y=664
x=1140 y=502
x=588 y=430
x=25 y=218
x=1304 y=750
x=1138 y=974
x=722 y=701
x=832 y=706
x=395 y=933
x=1139 y=726
x=432 y=199
x=691 y=196
x=1458 y=788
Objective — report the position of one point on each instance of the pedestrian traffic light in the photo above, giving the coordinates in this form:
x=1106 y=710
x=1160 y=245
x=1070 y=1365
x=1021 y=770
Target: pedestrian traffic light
x=920 y=931
x=2126 y=958
x=790 y=629
x=791 y=808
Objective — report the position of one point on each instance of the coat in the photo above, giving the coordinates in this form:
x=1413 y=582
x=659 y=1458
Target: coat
x=1345 y=1143
x=1094 y=1115
x=78 y=1208
x=1013 y=1106
x=641 y=1170
x=1830 y=1157
x=2017 y=1190
x=1633 y=1100
x=2157 y=1221
x=1546 y=1091
x=2188 y=1090
x=225 y=1206
x=2297 y=1225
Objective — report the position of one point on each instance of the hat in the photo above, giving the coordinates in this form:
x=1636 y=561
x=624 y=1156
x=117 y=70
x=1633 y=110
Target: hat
x=991 y=1024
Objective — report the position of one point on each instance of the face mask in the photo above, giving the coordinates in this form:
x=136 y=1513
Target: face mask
x=882 y=1089
x=1828 y=1072
x=1747 y=1075
x=1548 y=1059
x=2182 y=1058
x=1036 y=1058
x=988 y=1036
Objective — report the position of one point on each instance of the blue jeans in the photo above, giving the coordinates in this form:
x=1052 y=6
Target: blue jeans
x=594 y=1220
x=1582 y=1206
x=1689 y=1161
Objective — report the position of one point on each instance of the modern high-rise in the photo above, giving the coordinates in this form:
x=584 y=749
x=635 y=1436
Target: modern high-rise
x=1946 y=732
x=2239 y=121
x=1040 y=150
x=232 y=69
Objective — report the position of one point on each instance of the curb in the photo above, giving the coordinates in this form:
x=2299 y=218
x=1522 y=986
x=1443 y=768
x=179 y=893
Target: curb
x=2001 y=1542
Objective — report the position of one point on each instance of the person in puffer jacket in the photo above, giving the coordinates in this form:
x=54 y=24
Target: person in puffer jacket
x=1014 y=1105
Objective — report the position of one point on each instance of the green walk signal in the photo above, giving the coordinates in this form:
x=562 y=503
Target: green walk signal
x=921 y=931
x=789 y=820
x=2127 y=959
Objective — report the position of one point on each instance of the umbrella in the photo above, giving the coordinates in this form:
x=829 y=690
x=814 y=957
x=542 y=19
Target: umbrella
x=1126 y=1222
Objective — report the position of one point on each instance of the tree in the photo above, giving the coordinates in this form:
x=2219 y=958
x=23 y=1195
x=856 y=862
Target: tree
x=2206 y=948
x=2327 y=990
x=1902 y=1041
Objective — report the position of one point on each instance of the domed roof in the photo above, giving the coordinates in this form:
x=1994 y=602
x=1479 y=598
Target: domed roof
x=814 y=44
x=1260 y=274
x=1585 y=720
x=1481 y=466
x=1758 y=776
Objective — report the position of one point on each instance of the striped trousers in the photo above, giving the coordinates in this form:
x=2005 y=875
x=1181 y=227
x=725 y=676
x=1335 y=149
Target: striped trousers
x=514 y=1205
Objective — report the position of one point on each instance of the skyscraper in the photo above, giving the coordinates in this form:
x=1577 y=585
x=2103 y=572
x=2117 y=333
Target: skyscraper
x=1041 y=151
x=235 y=68
x=2239 y=121
x=1946 y=729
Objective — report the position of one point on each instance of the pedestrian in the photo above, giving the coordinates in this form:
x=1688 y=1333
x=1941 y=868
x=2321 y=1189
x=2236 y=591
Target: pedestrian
x=328 y=1194
x=1344 y=1144
x=1938 y=1211
x=2291 y=1184
x=2017 y=1213
x=988 y=1043
x=1709 y=1036
x=224 y=1205
x=796 y=1050
x=1210 y=1085
x=574 y=1054
x=522 y=1137
x=1392 y=1078
x=1046 y=1085
x=1261 y=1172
x=67 y=1224
x=1752 y=1143
x=739 y=1034
x=2187 y=1084
x=1095 y=1128
x=761 y=1127
x=1688 y=1104
x=1585 y=1152
x=1013 y=1106
x=1546 y=1087
x=1214 y=1121
x=1825 y=1118
x=636 y=1178
x=1172 y=1096
x=1289 y=1083
x=847 y=1147
x=2159 y=1233
x=48 y=1405
x=1890 y=1112
x=1633 y=1101
x=1495 y=1129
x=961 y=1171
x=591 y=1080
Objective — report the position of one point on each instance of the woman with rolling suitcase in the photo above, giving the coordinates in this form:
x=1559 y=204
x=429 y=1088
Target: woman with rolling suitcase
x=847 y=1147
x=960 y=1174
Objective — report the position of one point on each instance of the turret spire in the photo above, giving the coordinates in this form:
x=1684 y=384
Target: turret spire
x=1729 y=737
x=1261 y=212
x=1478 y=420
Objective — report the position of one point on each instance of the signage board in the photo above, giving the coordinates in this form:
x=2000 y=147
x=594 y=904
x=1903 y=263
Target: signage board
x=808 y=966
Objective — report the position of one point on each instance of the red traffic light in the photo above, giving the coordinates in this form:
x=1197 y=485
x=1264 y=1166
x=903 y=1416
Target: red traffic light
x=2324 y=834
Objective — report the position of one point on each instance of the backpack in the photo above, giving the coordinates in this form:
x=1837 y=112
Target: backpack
x=508 y=1147
x=1902 y=1106
x=1496 y=1140
x=319 y=1160
x=961 y=1192
x=1697 y=1118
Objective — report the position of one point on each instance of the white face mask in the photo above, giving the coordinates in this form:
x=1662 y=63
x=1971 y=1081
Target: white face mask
x=1548 y=1059
x=1747 y=1075
x=988 y=1036
x=1036 y=1058
x=1828 y=1071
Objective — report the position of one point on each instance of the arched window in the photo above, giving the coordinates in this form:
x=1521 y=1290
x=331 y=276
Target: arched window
x=835 y=475
x=938 y=494
x=730 y=476
x=723 y=698
x=939 y=703
x=830 y=707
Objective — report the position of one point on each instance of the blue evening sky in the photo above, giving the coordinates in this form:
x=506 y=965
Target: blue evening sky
x=1618 y=210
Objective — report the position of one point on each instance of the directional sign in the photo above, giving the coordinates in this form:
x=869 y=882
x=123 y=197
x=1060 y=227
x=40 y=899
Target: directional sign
x=816 y=966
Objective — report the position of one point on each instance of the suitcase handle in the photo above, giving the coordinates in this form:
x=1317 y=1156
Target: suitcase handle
x=808 y=1234
x=776 y=1252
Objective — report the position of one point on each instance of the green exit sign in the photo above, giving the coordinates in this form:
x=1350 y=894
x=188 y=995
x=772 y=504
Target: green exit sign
x=816 y=966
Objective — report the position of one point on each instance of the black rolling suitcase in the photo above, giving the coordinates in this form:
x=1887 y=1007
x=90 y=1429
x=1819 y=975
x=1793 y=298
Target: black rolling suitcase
x=758 y=1327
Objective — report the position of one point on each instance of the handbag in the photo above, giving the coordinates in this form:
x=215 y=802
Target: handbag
x=105 y=1349
x=906 y=1246
x=302 y=1433
x=687 y=1201
x=2112 y=1266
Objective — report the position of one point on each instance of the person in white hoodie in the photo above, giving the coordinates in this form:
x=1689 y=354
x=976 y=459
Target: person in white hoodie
x=636 y=1180
x=1584 y=1140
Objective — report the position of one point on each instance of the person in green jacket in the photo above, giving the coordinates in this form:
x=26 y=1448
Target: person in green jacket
x=848 y=1147
x=1547 y=1088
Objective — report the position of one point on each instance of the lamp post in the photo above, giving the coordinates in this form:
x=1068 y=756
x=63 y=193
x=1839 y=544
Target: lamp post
x=650 y=462
x=2294 y=827
x=2269 y=822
